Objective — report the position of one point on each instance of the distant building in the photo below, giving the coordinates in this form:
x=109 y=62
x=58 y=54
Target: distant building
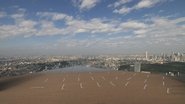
x=146 y=55
x=137 y=67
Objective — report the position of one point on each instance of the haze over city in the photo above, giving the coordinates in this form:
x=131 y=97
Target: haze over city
x=84 y=27
x=92 y=51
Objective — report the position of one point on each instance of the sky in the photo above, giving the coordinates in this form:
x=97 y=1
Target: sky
x=91 y=27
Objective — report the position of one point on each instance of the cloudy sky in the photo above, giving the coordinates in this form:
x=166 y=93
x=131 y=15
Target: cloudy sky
x=90 y=27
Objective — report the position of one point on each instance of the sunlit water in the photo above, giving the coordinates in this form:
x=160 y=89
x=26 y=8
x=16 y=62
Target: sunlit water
x=78 y=69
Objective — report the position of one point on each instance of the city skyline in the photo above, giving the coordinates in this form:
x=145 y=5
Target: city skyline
x=91 y=27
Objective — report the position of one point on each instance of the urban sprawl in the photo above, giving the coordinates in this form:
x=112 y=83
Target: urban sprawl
x=13 y=66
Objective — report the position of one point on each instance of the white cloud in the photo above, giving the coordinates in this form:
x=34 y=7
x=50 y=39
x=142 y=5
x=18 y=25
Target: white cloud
x=21 y=10
x=119 y=3
x=136 y=33
x=146 y=3
x=141 y=31
x=55 y=16
x=179 y=20
x=23 y=28
x=154 y=27
x=85 y=4
x=73 y=26
x=140 y=5
x=27 y=23
x=48 y=28
x=164 y=28
x=123 y=10
x=17 y=16
x=133 y=25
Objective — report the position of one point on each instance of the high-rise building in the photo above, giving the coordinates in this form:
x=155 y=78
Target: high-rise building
x=146 y=55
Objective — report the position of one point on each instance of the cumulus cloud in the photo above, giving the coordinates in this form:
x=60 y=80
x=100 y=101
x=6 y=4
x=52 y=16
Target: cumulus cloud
x=94 y=25
x=119 y=3
x=163 y=27
x=21 y=26
x=85 y=4
x=160 y=31
x=133 y=25
x=24 y=28
x=140 y=5
x=140 y=31
x=150 y=31
x=46 y=26
x=75 y=26
x=55 y=16
x=146 y=3
x=123 y=10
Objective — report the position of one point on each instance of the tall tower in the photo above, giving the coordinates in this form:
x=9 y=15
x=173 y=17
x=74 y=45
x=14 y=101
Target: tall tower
x=146 y=55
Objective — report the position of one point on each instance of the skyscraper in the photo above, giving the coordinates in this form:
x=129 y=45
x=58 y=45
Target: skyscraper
x=146 y=55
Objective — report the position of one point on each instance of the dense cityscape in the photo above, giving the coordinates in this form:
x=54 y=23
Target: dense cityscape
x=13 y=66
x=92 y=51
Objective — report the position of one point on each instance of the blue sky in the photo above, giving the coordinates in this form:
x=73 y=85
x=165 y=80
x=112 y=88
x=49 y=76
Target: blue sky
x=91 y=27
